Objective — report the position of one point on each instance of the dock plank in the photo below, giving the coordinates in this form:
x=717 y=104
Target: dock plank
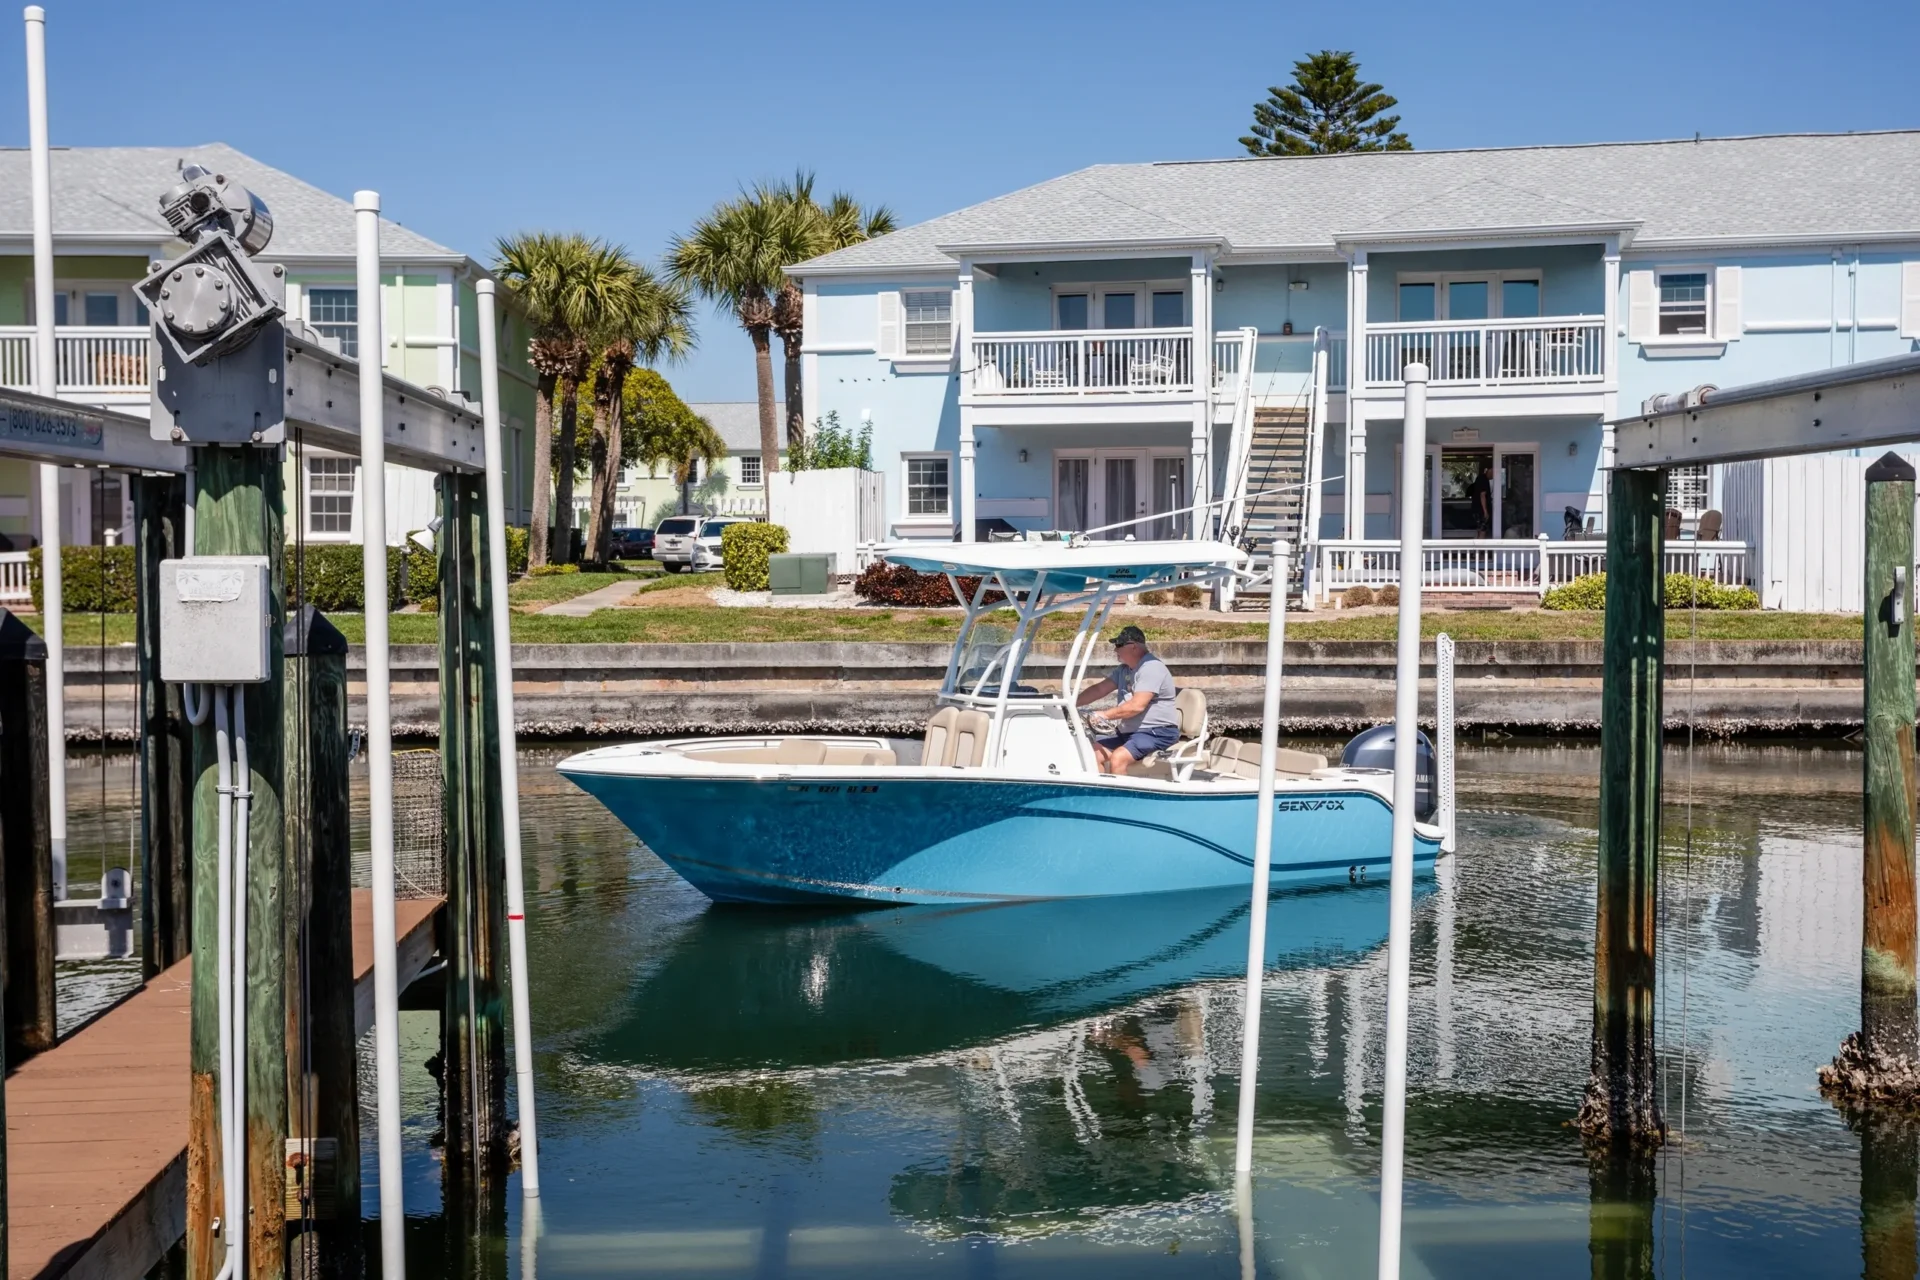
x=97 y=1126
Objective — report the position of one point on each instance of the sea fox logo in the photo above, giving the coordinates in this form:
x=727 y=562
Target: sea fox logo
x=1307 y=806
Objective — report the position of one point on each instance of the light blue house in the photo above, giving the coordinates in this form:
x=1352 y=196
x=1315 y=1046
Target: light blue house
x=1121 y=345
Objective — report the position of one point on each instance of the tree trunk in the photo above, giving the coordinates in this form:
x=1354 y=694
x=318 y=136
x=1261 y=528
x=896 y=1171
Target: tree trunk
x=563 y=465
x=763 y=374
x=540 y=535
x=796 y=420
x=609 y=411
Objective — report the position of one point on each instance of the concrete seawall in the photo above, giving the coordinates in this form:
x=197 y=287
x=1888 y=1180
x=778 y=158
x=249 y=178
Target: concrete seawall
x=626 y=690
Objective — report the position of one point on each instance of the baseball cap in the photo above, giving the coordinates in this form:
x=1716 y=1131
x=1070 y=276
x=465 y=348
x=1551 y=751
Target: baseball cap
x=1129 y=635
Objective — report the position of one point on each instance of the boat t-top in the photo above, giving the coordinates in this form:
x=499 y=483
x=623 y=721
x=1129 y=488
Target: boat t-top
x=1005 y=800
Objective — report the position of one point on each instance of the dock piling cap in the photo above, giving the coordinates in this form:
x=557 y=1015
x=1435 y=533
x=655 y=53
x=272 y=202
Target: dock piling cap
x=1891 y=466
x=18 y=641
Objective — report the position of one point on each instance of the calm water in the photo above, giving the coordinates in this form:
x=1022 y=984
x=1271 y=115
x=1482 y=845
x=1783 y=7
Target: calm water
x=1051 y=1089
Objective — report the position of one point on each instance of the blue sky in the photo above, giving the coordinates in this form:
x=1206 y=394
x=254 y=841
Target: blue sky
x=475 y=119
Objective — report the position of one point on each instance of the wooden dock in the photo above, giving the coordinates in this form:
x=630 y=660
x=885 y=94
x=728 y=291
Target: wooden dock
x=97 y=1126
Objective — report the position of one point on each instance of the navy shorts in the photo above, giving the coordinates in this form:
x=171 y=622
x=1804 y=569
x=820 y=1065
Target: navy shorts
x=1144 y=743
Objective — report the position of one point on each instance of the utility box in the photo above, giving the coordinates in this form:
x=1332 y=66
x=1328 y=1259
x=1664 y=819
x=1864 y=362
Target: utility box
x=791 y=575
x=214 y=614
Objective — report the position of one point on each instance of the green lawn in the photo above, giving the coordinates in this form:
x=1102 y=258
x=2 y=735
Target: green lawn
x=666 y=624
x=712 y=578
x=554 y=587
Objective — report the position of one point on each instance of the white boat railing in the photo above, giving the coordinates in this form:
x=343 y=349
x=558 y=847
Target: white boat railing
x=16 y=587
x=95 y=360
x=1082 y=362
x=1508 y=565
x=1551 y=349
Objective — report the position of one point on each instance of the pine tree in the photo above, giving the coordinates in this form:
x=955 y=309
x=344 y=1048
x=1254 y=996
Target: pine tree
x=1325 y=109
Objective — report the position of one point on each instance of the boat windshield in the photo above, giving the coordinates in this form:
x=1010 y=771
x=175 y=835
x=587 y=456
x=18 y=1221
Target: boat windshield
x=983 y=655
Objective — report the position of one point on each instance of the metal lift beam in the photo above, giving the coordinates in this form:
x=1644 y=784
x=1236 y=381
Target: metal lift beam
x=65 y=434
x=1867 y=405
x=423 y=430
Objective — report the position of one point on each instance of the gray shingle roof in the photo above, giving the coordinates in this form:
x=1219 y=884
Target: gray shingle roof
x=1777 y=187
x=115 y=191
x=737 y=421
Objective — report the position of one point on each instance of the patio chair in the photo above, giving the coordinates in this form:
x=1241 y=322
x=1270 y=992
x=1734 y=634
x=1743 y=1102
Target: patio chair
x=1673 y=524
x=1151 y=371
x=1709 y=530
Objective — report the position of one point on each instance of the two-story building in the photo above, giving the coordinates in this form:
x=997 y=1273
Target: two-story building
x=1117 y=347
x=107 y=231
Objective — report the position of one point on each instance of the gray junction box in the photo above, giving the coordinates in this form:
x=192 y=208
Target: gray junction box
x=214 y=619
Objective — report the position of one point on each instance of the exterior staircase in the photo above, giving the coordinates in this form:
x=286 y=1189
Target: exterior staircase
x=1277 y=459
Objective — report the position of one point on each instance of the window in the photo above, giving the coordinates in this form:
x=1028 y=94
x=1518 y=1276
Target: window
x=749 y=468
x=927 y=488
x=1169 y=309
x=1072 y=309
x=928 y=315
x=1687 y=490
x=335 y=315
x=330 y=495
x=1683 y=303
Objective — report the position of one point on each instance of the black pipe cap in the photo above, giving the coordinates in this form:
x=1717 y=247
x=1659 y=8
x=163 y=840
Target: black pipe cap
x=308 y=634
x=1891 y=466
x=18 y=641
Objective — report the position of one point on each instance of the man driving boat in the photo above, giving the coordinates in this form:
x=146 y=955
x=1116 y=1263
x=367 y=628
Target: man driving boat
x=1145 y=719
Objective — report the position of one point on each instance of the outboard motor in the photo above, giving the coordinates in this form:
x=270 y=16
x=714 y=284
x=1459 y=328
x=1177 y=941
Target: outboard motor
x=1373 y=749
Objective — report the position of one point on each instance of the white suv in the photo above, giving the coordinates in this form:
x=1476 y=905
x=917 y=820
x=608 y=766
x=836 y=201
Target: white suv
x=681 y=541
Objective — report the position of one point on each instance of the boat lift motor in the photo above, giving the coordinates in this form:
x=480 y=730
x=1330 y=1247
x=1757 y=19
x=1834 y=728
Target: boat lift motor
x=1373 y=749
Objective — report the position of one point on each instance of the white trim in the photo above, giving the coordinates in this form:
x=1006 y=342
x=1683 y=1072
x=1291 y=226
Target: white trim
x=1097 y=292
x=1843 y=323
x=928 y=518
x=1493 y=237
x=837 y=348
x=1492 y=278
x=1691 y=349
x=924 y=364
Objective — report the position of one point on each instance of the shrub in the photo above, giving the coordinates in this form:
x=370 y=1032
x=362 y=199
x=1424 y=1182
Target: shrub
x=330 y=577
x=1682 y=591
x=1189 y=596
x=895 y=584
x=1736 y=598
x=92 y=579
x=516 y=551
x=1588 y=591
x=1153 y=597
x=419 y=573
x=829 y=445
x=1357 y=597
x=1387 y=595
x=744 y=549
x=552 y=570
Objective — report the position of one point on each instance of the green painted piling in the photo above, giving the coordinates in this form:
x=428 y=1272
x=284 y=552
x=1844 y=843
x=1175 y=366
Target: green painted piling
x=26 y=841
x=1621 y=1104
x=238 y=510
x=473 y=1031
x=166 y=747
x=323 y=1194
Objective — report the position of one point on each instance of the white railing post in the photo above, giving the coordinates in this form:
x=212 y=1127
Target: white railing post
x=1443 y=732
x=1543 y=566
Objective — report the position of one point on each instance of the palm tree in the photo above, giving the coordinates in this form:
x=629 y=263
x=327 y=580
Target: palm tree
x=1325 y=109
x=570 y=287
x=813 y=230
x=661 y=328
x=733 y=258
x=668 y=433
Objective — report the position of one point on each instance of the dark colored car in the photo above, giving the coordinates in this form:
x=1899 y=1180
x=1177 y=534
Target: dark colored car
x=632 y=544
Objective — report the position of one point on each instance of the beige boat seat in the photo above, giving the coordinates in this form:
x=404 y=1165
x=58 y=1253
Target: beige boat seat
x=970 y=739
x=937 y=747
x=800 y=751
x=1191 y=747
x=858 y=755
x=1242 y=759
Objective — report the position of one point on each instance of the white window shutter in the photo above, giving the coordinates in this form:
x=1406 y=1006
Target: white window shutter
x=1726 y=303
x=1910 y=299
x=1643 y=306
x=889 y=344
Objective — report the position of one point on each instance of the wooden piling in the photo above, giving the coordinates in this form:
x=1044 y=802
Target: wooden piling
x=1878 y=1062
x=1889 y=1165
x=166 y=747
x=1621 y=1104
x=238 y=510
x=26 y=842
x=323 y=1119
x=1623 y=1186
x=474 y=1041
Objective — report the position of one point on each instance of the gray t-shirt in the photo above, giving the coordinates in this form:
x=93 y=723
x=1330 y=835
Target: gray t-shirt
x=1151 y=675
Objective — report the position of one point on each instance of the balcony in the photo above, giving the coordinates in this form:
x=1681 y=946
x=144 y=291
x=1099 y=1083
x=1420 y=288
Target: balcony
x=1288 y=358
x=107 y=362
x=1506 y=566
x=1069 y=364
x=1549 y=352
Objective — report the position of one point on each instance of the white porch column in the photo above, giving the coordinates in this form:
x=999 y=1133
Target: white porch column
x=1611 y=354
x=1354 y=509
x=1198 y=464
x=1357 y=325
x=963 y=308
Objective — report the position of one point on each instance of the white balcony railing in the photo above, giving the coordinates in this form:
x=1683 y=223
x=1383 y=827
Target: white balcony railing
x=15 y=587
x=106 y=360
x=1082 y=362
x=1556 y=349
x=1281 y=355
x=1507 y=565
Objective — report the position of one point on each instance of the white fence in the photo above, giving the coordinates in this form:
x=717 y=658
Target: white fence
x=1490 y=352
x=1092 y=361
x=15 y=588
x=1506 y=566
x=1275 y=353
x=833 y=512
x=99 y=360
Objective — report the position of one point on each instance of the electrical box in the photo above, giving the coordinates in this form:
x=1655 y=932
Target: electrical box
x=799 y=575
x=214 y=615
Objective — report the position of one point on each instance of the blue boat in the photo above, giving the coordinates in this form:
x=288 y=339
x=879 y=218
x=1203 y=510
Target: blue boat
x=1006 y=802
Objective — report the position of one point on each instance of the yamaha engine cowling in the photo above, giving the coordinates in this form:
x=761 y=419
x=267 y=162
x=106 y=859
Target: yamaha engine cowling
x=1373 y=749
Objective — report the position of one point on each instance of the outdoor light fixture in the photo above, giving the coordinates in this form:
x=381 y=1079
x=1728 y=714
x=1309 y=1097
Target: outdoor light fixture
x=1573 y=447
x=1023 y=455
x=1298 y=286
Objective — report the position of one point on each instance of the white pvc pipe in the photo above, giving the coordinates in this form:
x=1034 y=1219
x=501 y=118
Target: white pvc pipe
x=1262 y=860
x=509 y=751
x=235 y=1085
x=1406 y=739
x=231 y=1232
x=373 y=562
x=46 y=382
